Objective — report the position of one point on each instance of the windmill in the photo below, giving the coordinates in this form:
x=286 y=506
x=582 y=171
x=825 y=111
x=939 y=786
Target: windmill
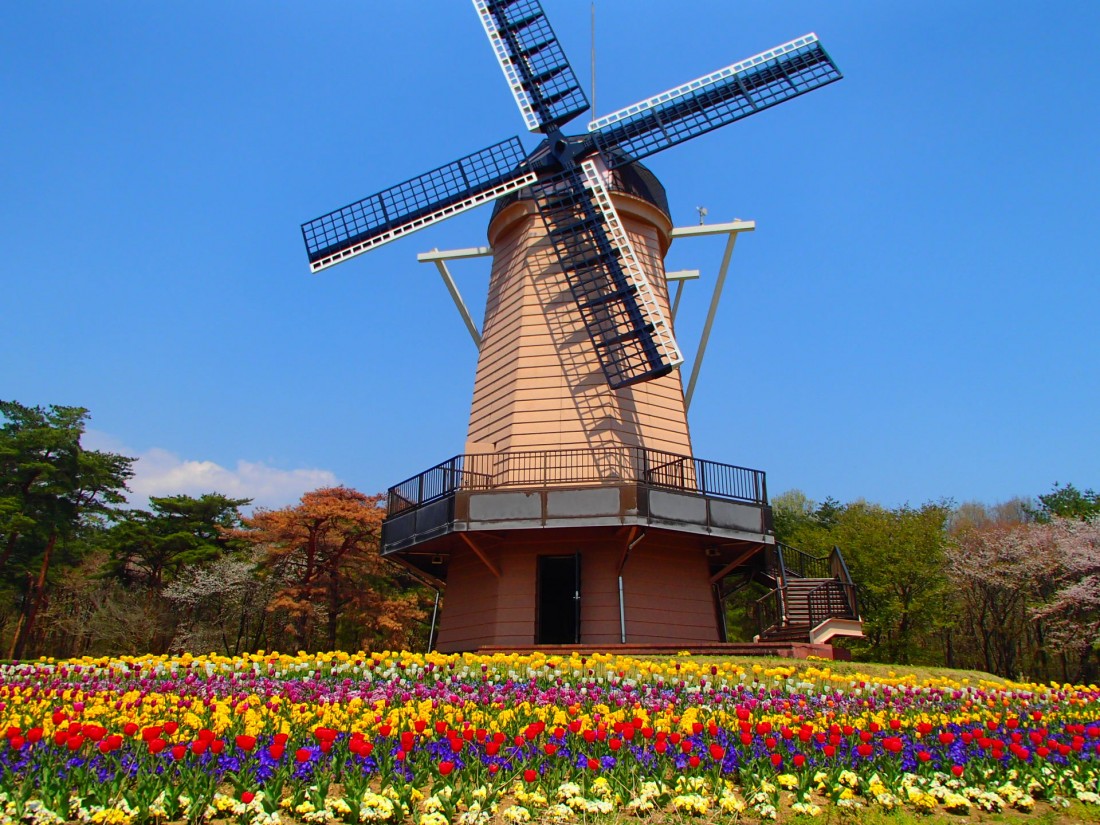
x=488 y=510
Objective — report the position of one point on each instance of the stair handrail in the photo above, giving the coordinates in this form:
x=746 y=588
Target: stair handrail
x=838 y=566
x=840 y=571
x=803 y=560
x=769 y=609
x=821 y=593
x=782 y=579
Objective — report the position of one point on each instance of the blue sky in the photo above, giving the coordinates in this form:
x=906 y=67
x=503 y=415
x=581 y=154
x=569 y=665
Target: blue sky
x=914 y=318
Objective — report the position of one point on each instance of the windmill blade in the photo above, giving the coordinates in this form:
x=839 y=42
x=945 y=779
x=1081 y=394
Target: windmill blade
x=417 y=203
x=540 y=77
x=632 y=339
x=714 y=100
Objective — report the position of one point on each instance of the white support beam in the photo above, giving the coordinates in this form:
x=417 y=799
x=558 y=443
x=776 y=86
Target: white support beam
x=440 y=258
x=681 y=277
x=732 y=230
x=714 y=229
x=455 y=254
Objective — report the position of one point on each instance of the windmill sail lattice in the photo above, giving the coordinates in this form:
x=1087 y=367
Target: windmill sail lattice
x=534 y=65
x=714 y=100
x=633 y=341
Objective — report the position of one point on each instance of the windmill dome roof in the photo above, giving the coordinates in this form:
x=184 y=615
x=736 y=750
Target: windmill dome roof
x=632 y=179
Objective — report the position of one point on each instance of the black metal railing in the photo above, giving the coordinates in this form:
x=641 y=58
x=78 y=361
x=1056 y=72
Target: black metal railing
x=835 y=597
x=769 y=611
x=603 y=465
x=802 y=564
x=832 y=600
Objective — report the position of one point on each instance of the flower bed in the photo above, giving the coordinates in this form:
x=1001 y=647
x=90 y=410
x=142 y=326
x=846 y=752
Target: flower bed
x=432 y=739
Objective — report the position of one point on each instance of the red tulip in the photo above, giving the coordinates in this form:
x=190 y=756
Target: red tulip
x=530 y=775
x=799 y=760
x=717 y=752
x=179 y=751
x=157 y=745
x=246 y=743
x=445 y=768
x=777 y=760
x=693 y=761
x=94 y=732
x=247 y=796
x=302 y=755
x=957 y=770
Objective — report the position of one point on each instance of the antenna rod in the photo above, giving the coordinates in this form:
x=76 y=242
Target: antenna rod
x=594 y=109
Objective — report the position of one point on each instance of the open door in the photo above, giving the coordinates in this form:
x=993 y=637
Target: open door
x=559 y=600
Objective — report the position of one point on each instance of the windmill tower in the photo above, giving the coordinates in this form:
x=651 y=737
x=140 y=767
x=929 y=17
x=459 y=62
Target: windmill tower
x=577 y=512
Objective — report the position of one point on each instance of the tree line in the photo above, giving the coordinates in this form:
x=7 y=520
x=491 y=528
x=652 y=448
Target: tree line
x=83 y=574
x=1012 y=589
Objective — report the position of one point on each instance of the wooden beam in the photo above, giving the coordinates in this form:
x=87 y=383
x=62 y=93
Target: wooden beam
x=737 y=562
x=481 y=555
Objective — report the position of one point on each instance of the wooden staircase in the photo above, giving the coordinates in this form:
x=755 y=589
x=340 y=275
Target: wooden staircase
x=814 y=599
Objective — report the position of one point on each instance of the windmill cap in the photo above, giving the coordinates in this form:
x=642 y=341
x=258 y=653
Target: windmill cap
x=632 y=179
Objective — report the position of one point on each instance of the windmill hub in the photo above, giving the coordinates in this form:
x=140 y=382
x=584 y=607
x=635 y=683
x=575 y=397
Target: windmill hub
x=578 y=463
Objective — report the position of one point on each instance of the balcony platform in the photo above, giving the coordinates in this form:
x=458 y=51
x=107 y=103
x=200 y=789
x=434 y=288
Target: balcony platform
x=621 y=487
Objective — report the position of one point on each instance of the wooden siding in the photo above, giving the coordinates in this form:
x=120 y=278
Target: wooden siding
x=538 y=383
x=667 y=593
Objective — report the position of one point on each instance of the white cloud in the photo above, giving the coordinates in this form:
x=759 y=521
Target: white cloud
x=160 y=472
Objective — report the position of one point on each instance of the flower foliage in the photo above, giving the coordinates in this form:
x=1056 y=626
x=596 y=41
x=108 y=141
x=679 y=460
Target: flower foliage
x=434 y=739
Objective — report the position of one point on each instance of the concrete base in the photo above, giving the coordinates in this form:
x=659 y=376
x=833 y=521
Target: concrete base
x=784 y=650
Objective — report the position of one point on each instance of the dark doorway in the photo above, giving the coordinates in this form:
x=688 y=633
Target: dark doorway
x=559 y=604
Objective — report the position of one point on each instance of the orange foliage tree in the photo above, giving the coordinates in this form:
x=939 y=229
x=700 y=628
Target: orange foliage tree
x=324 y=551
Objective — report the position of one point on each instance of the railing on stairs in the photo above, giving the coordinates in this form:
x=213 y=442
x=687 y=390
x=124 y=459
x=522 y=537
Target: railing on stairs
x=769 y=610
x=833 y=598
